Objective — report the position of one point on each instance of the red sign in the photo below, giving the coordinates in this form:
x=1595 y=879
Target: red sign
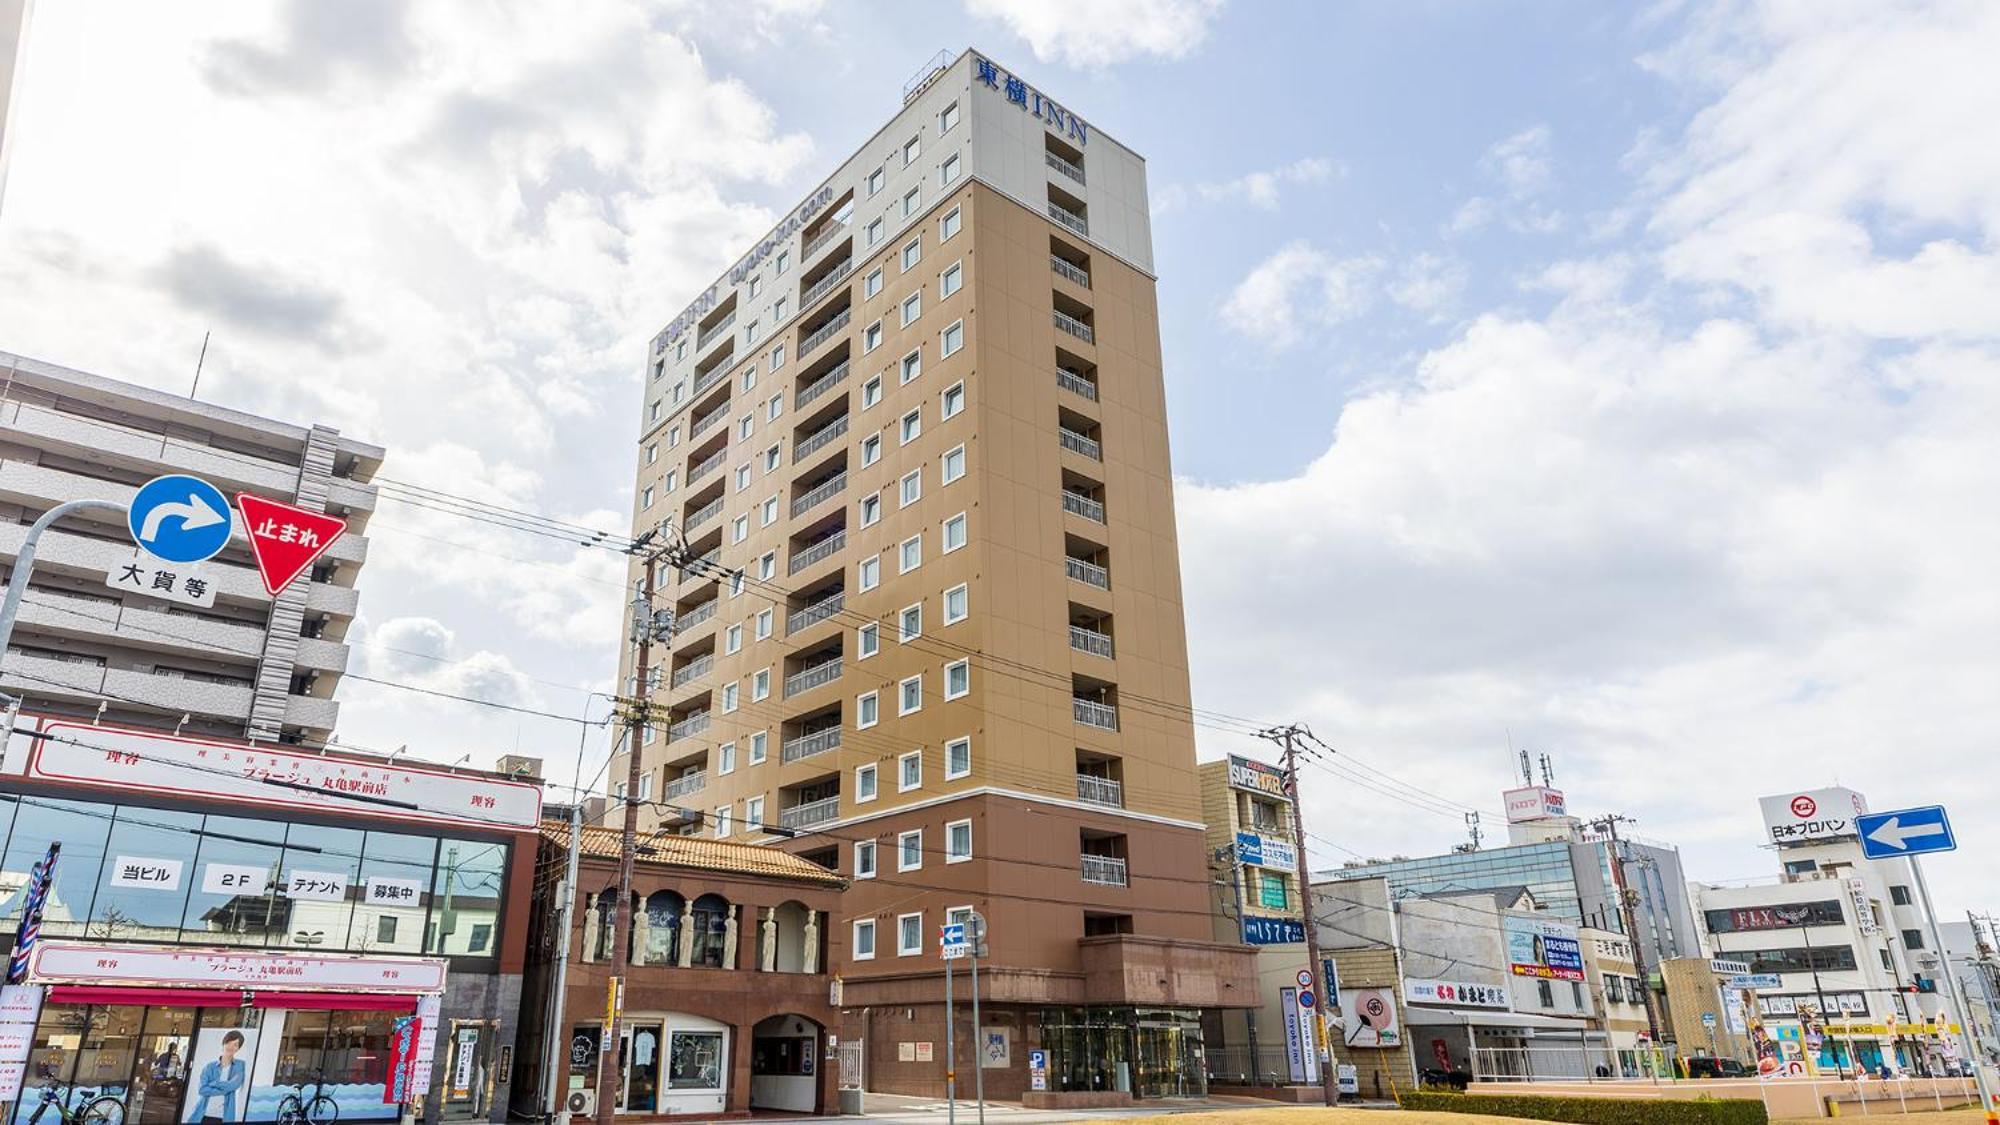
x=286 y=539
x=403 y=1050
x=1803 y=807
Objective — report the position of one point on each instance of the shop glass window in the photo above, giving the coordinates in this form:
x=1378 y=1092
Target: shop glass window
x=395 y=886
x=82 y=827
x=465 y=898
x=694 y=1061
x=149 y=867
x=322 y=879
x=235 y=897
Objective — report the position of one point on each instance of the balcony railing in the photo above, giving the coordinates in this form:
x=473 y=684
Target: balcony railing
x=825 y=332
x=706 y=379
x=1074 y=273
x=715 y=418
x=714 y=331
x=697 y=615
x=1104 y=870
x=1068 y=218
x=703 y=514
x=807 y=745
x=692 y=725
x=1084 y=506
x=1100 y=791
x=1088 y=573
x=820 y=385
x=698 y=668
x=815 y=613
x=701 y=569
x=820 y=550
x=815 y=676
x=708 y=465
x=810 y=813
x=831 y=486
x=1073 y=171
x=1091 y=713
x=687 y=783
x=822 y=240
x=1090 y=640
x=1077 y=443
x=1075 y=327
x=1076 y=384
x=827 y=433
x=825 y=284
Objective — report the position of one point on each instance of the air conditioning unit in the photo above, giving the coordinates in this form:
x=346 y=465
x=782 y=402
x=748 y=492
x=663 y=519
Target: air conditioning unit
x=583 y=1103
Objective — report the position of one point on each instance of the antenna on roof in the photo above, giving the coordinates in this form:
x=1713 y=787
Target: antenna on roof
x=1527 y=772
x=1548 y=771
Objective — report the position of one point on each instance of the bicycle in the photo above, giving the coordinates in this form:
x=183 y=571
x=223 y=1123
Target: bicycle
x=104 y=1109
x=297 y=1109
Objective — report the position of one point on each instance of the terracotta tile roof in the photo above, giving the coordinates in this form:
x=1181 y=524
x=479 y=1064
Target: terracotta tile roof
x=698 y=853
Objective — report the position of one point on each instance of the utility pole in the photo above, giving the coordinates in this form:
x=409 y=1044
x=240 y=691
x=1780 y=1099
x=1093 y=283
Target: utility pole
x=1967 y=1033
x=1288 y=737
x=1609 y=826
x=637 y=711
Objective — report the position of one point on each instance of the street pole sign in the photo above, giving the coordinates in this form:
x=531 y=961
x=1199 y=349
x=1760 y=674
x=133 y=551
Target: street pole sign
x=1905 y=832
x=285 y=539
x=952 y=941
x=179 y=519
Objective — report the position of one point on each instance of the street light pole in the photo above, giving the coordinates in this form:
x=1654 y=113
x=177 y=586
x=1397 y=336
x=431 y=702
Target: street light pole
x=24 y=562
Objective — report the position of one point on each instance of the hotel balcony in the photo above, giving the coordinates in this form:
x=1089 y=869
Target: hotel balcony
x=1105 y=871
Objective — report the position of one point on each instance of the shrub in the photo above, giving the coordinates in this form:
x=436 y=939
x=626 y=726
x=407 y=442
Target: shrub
x=1594 y=1111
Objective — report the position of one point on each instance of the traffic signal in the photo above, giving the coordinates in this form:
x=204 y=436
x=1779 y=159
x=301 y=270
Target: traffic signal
x=1926 y=984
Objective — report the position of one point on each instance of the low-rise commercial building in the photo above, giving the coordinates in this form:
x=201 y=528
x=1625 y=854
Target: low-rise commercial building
x=1619 y=994
x=1709 y=1015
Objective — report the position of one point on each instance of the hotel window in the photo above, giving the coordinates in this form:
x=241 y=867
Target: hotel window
x=958 y=841
x=913 y=201
x=722 y=814
x=778 y=310
x=772 y=409
x=758 y=744
x=725 y=758
x=910 y=623
x=770 y=514
x=912 y=488
x=777 y=357
x=913 y=426
x=732 y=640
x=646 y=497
x=653 y=411
x=784 y=262
x=730 y=692
x=864 y=783
x=913 y=364
x=874 y=232
x=871 y=337
x=912 y=148
x=673 y=436
x=910 y=695
x=673 y=476
x=911 y=555
x=763 y=619
x=749 y=376
x=871 y=391
x=653 y=453
x=871 y=450
x=952 y=465
x=909 y=935
x=954 y=533
x=867 y=710
x=913 y=252
x=952 y=401
x=910 y=850
x=767 y=567
x=910 y=771
x=957 y=678
x=871 y=510
x=948 y=118
x=949 y=171
x=872 y=284
x=739 y=529
x=957 y=758
x=742 y=477
x=867 y=640
x=875 y=181
x=869 y=574
x=949 y=225
x=681 y=349
x=864 y=859
x=760 y=685
x=753 y=814
x=953 y=338
x=951 y=280
x=745 y=426
x=956 y=604
x=864 y=928
x=750 y=332
x=756 y=286
x=913 y=307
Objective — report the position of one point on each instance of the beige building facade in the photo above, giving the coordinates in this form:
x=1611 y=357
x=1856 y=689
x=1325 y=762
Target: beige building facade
x=929 y=628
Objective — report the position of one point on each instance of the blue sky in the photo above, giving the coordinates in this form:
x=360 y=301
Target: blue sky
x=1618 y=380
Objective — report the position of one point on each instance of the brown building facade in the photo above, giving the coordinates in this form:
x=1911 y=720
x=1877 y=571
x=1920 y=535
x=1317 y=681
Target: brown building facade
x=929 y=627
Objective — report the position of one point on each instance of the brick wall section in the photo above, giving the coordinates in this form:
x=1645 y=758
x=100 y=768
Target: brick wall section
x=1382 y=1072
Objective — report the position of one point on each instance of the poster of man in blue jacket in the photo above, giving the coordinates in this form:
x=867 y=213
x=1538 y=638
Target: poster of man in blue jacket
x=221 y=1069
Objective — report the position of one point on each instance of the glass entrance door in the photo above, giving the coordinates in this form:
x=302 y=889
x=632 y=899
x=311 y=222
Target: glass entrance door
x=159 y=1075
x=1170 y=1063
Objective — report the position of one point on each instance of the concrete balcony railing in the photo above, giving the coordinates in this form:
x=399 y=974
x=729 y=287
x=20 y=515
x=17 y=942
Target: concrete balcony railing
x=707 y=465
x=1090 y=641
x=1077 y=443
x=715 y=418
x=822 y=240
x=1092 y=510
x=1068 y=218
x=694 y=670
x=1105 y=871
x=808 y=745
x=696 y=616
x=813 y=390
x=320 y=655
x=1073 y=171
x=819 y=440
x=1091 y=713
x=825 y=490
x=1076 y=384
x=810 y=813
x=818 y=675
x=815 y=613
x=703 y=514
x=1065 y=269
x=818 y=551
x=706 y=379
x=714 y=331
x=1075 y=327
x=825 y=284
x=1100 y=791
x=1088 y=573
x=825 y=332
x=687 y=728
x=687 y=783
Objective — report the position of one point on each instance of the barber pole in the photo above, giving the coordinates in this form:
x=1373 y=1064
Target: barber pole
x=31 y=914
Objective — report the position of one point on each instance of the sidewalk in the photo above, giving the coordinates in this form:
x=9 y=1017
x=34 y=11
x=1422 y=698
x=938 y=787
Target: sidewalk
x=896 y=1108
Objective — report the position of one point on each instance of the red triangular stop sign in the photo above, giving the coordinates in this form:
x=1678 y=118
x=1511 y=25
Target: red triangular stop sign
x=286 y=539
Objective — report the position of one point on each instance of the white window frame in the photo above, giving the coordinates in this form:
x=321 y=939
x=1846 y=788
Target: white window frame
x=768 y=514
x=916 y=950
x=863 y=571
x=910 y=554
x=950 y=224
x=913 y=148
x=948 y=118
x=872 y=284
x=913 y=201
x=912 y=253
x=964 y=525
x=877 y=180
x=951 y=280
x=912 y=366
x=874 y=854
x=911 y=310
x=965 y=666
x=951 y=774
x=954 y=455
x=871 y=449
x=867 y=640
x=760 y=742
x=873 y=773
x=902 y=847
x=861 y=706
x=732 y=696
x=723 y=813
x=861 y=924
x=910 y=428
x=948 y=171
x=871 y=337
x=906 y=781
x=874 y=232
x=871 y=391
x=760 y=685
x=910 y=489
x=902 y=694
x=963 y=590
x=732 y=640
x=955 y=331
x=763 y=622
x=905 y=635
x=753 y=814
x=725 y=759
x=871 y=509
x=950 y=827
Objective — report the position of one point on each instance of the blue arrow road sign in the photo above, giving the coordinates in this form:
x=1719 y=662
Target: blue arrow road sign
x=179 y=519
x=1887 y=835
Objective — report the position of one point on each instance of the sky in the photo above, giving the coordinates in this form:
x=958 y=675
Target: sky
x=1614 y=382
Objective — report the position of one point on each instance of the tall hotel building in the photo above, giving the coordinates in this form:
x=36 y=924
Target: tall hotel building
x=917 y=439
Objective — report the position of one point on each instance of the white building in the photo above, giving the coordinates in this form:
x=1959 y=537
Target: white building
x=1844 y=934
x=251 y=665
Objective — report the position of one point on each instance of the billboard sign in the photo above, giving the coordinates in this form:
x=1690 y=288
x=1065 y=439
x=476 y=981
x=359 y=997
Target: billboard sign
x=1812 y=815
x=1371 y=1017
x=1455 y=993
x=1534 y=802
x=1543 y=949
x=1263 y=851
x=1272 y=931
x=1257 y=777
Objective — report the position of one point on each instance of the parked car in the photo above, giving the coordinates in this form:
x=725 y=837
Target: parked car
x=1706 y=1067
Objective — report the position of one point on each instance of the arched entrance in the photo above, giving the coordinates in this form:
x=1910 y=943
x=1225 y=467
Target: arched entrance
x=785 y=1064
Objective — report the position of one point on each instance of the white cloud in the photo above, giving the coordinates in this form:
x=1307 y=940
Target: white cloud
x=1260 y=189
x=1104 y=32
x=1428 y=283
x=1522 y=168
x=1297 y=289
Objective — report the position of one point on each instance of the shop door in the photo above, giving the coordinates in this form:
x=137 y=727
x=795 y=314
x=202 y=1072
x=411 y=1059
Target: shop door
x=160 y=1073
x=468 y=1074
